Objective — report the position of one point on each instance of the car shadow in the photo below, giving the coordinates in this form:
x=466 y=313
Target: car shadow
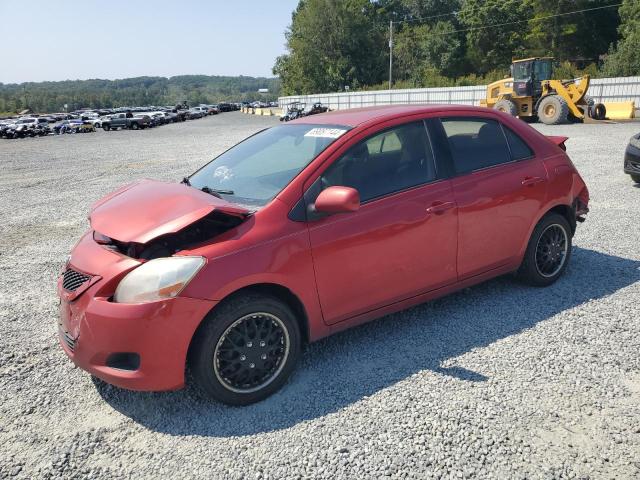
x=345 y=368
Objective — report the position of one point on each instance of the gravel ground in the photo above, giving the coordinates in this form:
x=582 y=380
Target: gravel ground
x=497 y=381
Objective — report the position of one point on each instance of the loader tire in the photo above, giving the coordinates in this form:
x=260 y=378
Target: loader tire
x=506 y=106
x=598 y=111
x=553 y=110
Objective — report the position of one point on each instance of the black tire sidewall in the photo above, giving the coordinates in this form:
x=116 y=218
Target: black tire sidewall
x=215 y=324
x=528 y=271
x=562 y=110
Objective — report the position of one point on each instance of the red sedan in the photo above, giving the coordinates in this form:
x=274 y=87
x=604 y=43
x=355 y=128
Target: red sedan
x=305 y=229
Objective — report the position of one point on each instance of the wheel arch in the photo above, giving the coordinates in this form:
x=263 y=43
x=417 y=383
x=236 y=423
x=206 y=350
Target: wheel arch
x=563 y=209
x=567 y=212
x=275 y=290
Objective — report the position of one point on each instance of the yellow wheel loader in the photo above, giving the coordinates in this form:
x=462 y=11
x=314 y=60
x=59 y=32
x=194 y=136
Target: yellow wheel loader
x=531 y=94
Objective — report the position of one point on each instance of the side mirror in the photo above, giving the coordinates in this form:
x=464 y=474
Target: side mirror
x=338 y=200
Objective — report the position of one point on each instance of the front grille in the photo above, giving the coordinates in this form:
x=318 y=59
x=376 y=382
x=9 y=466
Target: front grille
x=71 y=279
x=68 y=340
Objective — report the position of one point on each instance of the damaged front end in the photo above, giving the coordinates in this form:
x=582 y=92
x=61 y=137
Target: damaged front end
x=201 y=231
x=149 y=219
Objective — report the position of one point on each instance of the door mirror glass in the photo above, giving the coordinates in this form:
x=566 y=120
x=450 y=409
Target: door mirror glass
x=338 y=200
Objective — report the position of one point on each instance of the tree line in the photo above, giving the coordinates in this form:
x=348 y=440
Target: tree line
x=333 y=44
x=76 y=94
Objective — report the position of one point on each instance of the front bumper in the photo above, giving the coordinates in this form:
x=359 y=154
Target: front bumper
x=93 y=330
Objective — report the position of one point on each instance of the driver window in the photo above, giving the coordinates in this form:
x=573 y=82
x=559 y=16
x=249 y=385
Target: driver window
x=385 y=163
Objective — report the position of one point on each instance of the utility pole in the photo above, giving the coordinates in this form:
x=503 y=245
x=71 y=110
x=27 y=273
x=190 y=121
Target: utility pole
x=390 y=53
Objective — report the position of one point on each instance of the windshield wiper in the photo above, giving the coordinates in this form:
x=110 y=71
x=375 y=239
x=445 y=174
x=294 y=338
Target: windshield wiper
x=216 y=192
x=211 y=191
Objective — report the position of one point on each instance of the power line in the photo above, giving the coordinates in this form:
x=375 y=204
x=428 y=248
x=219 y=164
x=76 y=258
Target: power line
x=484 y=27
x=536 y=19
x=426 y=18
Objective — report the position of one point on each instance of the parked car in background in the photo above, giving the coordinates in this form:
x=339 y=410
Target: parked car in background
x=286 y=238
x=632 y=158
x=195 y=112
x=126 y=120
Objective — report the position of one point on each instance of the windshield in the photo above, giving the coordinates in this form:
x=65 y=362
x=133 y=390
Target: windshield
x=522 y=70
x=257 y=169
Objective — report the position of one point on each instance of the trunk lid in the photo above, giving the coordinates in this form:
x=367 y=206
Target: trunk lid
x=147 y=209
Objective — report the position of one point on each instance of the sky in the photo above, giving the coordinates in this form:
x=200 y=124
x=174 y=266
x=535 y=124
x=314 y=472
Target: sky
x=108 y=39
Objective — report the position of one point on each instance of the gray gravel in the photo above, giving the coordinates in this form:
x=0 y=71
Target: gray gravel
x=497 y=381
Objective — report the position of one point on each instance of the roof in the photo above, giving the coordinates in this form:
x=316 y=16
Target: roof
x=357 y=116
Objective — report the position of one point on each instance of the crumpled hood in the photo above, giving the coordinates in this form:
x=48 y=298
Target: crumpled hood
x=147 y=209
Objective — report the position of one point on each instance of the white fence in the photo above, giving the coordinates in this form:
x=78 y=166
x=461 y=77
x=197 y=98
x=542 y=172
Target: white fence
x=621 y=89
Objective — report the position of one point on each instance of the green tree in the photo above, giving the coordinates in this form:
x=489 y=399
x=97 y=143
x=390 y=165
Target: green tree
x=579 y=37
x=427 y=47
x=624 y=58
x=332 y=43
x=490 y=47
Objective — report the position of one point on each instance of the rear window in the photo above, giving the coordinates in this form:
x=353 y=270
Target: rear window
x=519 y=149
x=475 y=143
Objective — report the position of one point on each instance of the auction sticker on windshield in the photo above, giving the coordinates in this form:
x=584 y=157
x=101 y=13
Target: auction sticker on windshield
x=325 y=132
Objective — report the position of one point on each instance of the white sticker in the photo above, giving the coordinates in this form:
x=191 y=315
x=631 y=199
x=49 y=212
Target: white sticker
x=325 y=132
x=223 y=173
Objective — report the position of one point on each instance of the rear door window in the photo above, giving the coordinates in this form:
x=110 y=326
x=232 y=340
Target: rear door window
x=476 y=143
x=519 y=149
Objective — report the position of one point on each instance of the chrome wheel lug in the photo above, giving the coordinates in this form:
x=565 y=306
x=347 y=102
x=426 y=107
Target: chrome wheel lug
x=252 y=365
x=263 y=356
x=262 y=343
x=243 y=358
x=249 y=344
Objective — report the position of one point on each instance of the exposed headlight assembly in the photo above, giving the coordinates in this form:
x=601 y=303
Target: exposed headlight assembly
x=158 y=279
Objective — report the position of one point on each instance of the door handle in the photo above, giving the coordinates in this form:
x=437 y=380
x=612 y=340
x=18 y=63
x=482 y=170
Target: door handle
x=438 y=208
x=529 y=181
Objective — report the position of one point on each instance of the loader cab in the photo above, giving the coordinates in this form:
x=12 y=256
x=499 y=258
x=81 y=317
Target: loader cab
x=528 y=75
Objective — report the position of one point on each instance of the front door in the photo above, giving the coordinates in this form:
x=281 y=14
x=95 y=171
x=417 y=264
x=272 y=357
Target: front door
x=402 y=241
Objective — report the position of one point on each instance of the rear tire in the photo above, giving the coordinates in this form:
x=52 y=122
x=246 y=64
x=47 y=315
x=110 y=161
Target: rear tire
x=245 y=349
x=553 y=110
x=506 y=106
x=548 y=251
x=134 y=126
x=635 y=178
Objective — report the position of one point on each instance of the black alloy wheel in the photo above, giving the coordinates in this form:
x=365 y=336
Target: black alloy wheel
x=251 y=352
x=551 y=250
x=548 y=251
x=245 y=348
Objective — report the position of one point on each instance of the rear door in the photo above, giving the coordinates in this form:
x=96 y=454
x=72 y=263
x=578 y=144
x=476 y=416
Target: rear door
x=402 y=240
x=499 y=187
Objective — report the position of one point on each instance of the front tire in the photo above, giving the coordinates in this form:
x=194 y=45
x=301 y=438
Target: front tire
x=553 y=110
x=246 y=349
x=635 y=178
x=548 y=251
